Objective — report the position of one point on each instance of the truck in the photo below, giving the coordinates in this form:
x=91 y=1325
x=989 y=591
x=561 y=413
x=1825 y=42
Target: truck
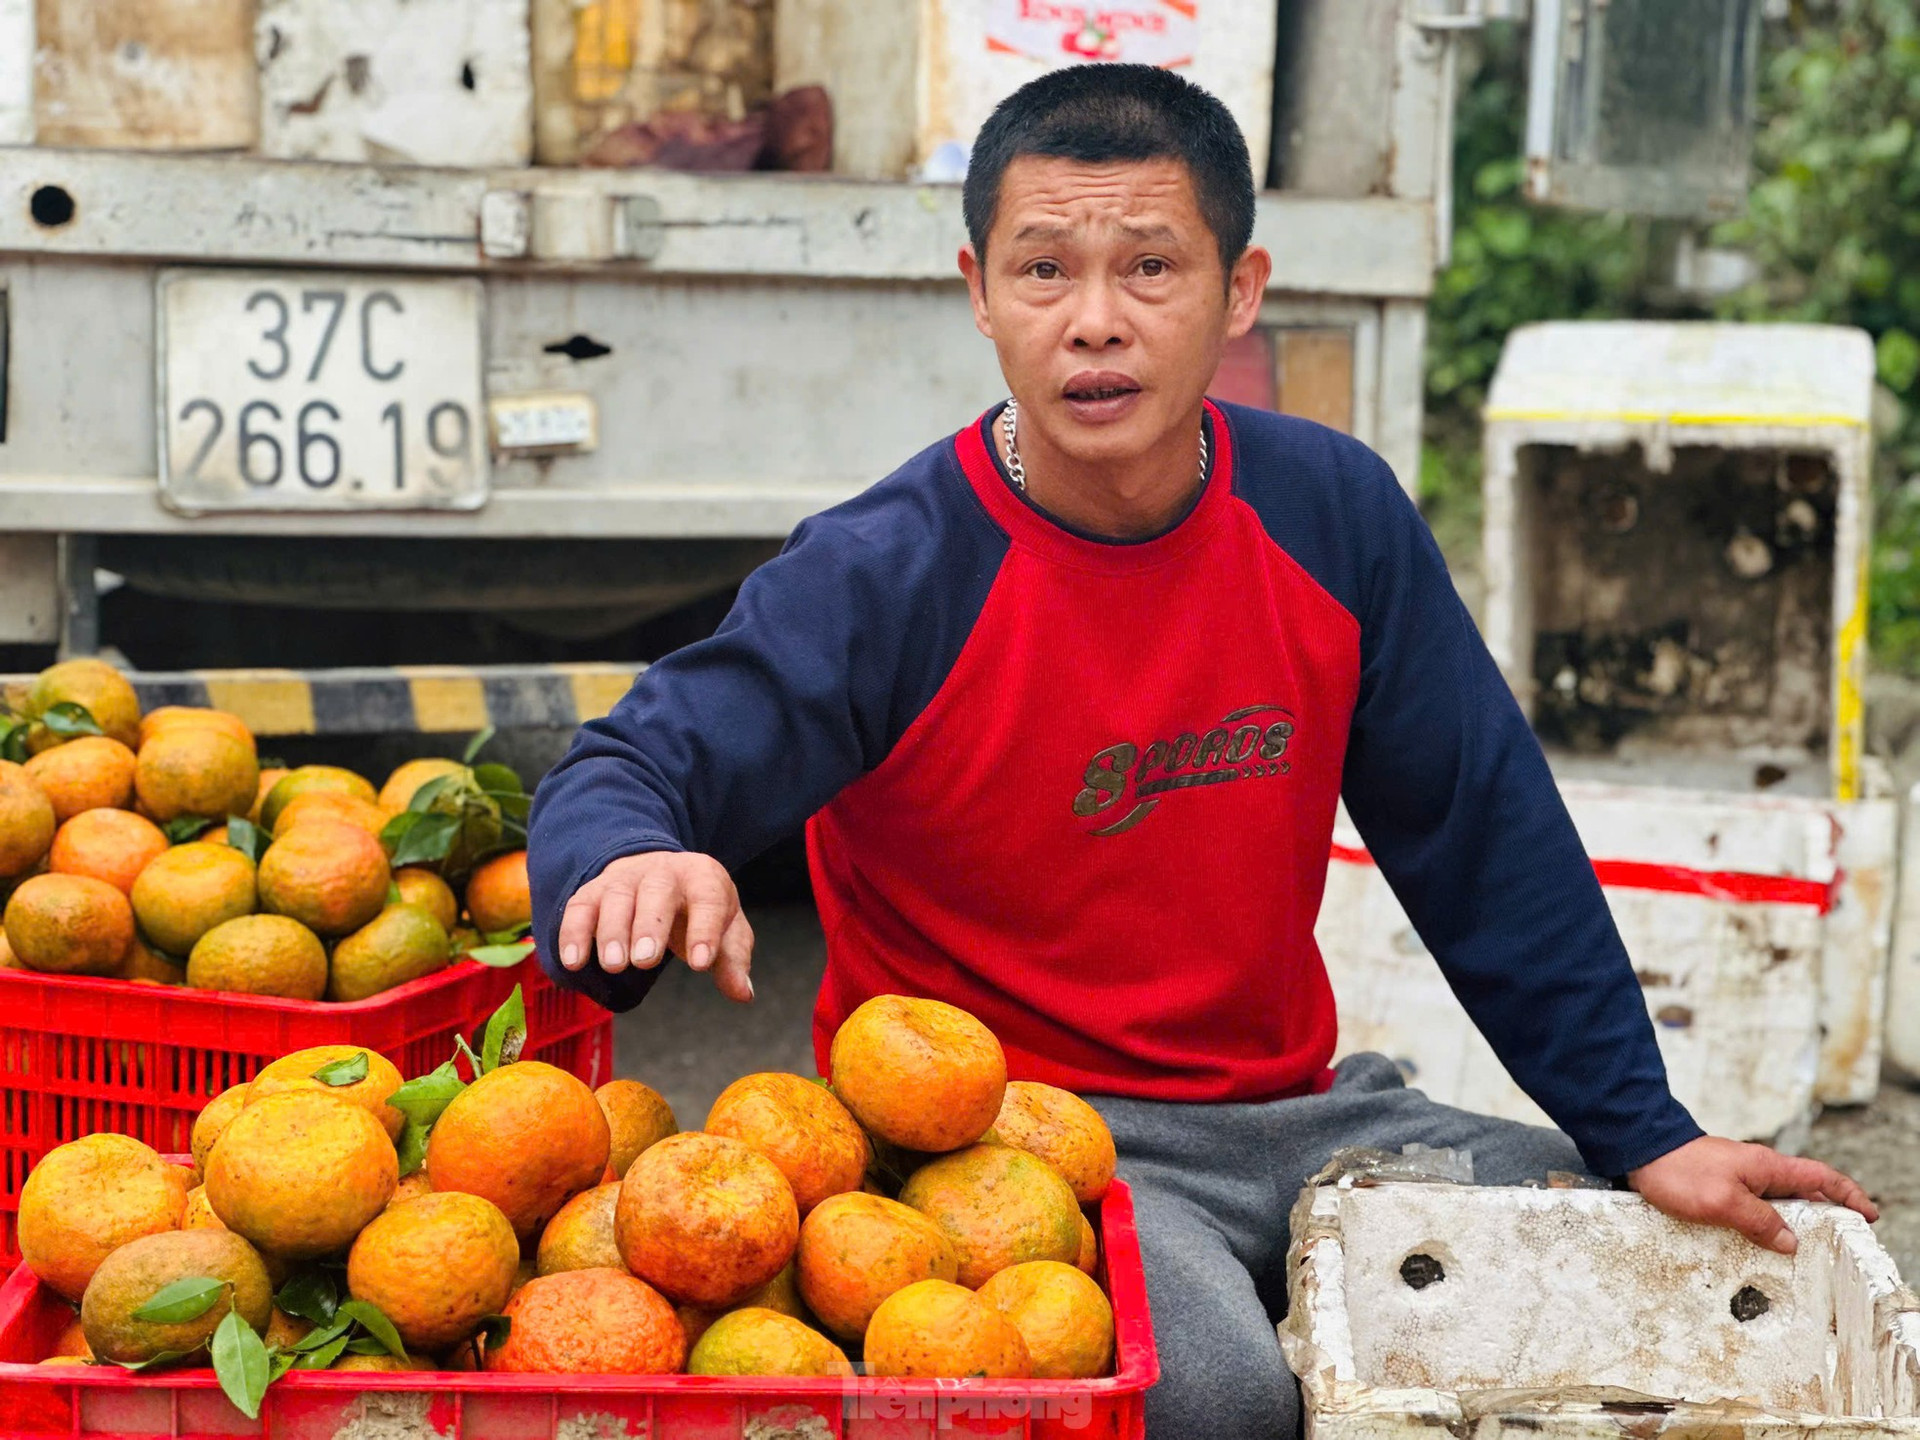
x=515 y=390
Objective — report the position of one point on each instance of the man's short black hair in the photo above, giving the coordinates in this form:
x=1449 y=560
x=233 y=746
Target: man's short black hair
x=1102 y=112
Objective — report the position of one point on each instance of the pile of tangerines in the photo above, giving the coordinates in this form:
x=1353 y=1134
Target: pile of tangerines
x=158 y=849
x=921 y=1213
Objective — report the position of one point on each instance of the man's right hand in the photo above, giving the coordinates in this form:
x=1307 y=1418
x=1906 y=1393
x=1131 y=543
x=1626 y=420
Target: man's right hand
x=642 y=906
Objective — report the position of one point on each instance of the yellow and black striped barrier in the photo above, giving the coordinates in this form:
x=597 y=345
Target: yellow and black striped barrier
x=423 y=699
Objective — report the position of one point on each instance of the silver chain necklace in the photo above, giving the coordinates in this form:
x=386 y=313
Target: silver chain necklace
x=1017 y=471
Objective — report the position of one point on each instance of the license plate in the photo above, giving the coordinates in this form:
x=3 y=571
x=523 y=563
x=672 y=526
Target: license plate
x=319 y=392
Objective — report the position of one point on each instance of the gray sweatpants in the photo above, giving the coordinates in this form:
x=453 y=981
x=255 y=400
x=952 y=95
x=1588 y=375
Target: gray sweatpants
x=1212 y=1188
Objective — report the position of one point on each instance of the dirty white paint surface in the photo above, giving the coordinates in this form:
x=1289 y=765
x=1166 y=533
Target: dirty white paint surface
x=16 y=72
x=1553 y=1298
x=419 y=82
x=1760 y=1008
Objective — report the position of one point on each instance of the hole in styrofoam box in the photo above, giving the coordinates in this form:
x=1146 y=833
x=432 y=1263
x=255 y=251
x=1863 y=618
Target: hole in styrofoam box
x=1555 y=1289
x=1425 y=1266
x=1749 y=1303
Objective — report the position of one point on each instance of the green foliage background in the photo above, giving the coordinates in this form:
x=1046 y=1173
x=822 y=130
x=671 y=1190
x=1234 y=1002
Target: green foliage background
x=1833 y=220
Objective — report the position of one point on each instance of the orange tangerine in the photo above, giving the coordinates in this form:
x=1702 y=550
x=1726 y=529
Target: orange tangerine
x=705 y=1219
x=937 y=1329
x=798 y=1125
x=546 y=1120
x=1062 y=1316
x=91 y=773
x=590 y=1322
x=110 y=845
x=919 y=1073
x=69 y=925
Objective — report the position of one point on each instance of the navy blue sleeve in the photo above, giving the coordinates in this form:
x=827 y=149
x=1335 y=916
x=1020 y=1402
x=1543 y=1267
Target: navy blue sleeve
x=1448 y=786
x=726 y=746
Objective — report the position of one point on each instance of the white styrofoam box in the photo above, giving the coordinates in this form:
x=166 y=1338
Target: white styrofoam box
x=1564 y=1313
x=1903 y=967
x=913 y=82
x=1758 y=928
x=16 y=72
x=421 y=82
x=1660 y=405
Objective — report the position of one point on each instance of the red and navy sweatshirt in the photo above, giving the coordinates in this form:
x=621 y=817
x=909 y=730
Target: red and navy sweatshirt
x=1085 y=788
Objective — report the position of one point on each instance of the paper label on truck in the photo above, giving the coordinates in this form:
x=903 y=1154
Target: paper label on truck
x=1067 y=32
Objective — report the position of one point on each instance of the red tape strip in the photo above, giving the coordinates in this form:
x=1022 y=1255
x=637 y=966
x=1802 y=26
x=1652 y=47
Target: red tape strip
x=1731 y=886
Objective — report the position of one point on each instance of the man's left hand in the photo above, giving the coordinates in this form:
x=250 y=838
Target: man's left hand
x=1723 y=1182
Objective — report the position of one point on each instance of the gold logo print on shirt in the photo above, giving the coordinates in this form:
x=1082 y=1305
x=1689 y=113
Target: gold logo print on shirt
x=1238 y=748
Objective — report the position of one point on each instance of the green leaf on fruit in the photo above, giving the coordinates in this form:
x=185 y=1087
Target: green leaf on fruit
x=375 y=1324
x=506 y=1033
x=498 y=780
x=394 y=897
x=477 y=744
x=311 y=1295
x=423 y=798
x=395 y=830
x=348 y=1071
x=13 y=738
x=183 y=828
x=411 y=1147
x=427 y=840
x=154 y=1362
x=494 y=1329
x=246 y=837
x=500 y=957
x=70 y=721
x=279 y=1362
x=323 y=1356
x=421 y=1100
x=240 y=1362
x=182 y=1301
x=323 y=1336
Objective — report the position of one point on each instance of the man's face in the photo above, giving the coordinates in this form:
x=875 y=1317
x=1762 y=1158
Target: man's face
x=1103 y=294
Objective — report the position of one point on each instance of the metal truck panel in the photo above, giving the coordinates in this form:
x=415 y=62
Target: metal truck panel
x=665 y=354
x=1758 y=928
x=1587 y=1313
x=415 y=82
x=206 y=209
x=29 y=589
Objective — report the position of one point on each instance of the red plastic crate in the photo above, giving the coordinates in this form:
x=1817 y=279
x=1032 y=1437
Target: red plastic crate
x=39 y=1403
x=81 y=1055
